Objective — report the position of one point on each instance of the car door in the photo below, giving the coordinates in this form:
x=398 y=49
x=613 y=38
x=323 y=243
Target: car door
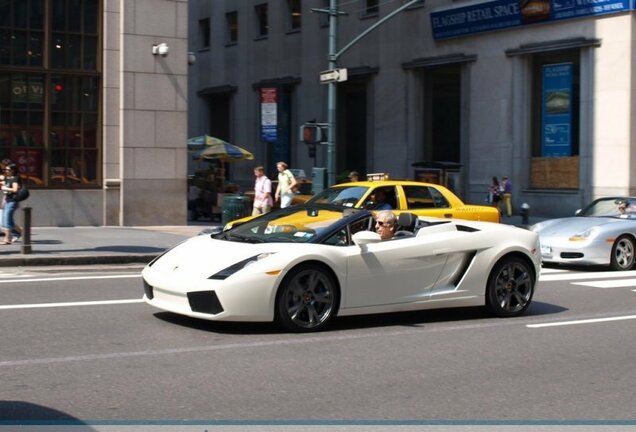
x=393 y=271
x=427 y=201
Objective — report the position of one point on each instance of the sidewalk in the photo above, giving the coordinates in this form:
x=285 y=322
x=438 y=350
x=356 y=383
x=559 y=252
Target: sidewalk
x=109 y=245
x=95 y=245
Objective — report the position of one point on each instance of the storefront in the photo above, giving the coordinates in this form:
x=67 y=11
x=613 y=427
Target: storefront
x=76 y=90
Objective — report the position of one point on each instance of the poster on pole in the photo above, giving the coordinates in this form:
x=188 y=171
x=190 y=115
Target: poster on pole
x=556 y=110
x=269 y=120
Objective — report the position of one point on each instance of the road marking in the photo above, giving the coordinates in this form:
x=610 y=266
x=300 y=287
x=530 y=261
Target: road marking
x=608 y=283
x=580 y=276
x=87 y=303
x=585 y=321
x=554 y=270
x=136 y=275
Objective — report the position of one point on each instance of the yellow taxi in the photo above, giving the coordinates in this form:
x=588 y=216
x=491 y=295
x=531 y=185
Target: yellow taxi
x=422 y=199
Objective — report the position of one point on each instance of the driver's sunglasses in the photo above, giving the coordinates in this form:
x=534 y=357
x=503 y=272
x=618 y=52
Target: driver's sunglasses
x=382 y=223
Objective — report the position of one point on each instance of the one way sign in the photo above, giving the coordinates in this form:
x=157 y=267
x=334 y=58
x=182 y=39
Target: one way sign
x=333 y=75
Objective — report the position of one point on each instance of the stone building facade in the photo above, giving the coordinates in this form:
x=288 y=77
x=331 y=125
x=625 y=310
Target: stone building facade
x=539 y=93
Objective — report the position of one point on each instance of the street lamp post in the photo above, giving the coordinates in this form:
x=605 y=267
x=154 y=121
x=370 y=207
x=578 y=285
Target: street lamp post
x=331 y=95
x=331 y=90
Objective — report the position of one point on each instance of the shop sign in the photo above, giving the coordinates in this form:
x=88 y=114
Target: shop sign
x=501 y=14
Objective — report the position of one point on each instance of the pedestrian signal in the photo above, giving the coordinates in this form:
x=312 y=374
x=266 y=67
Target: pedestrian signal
x=311 y=133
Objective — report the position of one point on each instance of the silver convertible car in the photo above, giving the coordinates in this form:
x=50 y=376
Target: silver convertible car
x=304 y=265
x=603 y=233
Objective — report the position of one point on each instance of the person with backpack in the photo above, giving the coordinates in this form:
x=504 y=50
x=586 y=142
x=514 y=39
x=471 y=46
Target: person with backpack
x=12 y=184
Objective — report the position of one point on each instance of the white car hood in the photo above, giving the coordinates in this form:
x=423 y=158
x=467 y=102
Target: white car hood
x=205 y=256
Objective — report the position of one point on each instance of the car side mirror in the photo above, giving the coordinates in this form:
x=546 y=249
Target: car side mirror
x=365 y=237
x=577 y=212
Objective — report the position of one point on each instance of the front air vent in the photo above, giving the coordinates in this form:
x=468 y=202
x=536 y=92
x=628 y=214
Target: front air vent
x=205 y=302
x=148 y=290
x=571 y=255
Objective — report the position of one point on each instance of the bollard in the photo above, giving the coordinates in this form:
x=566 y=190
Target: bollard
x=525 y=210
x=26 y=231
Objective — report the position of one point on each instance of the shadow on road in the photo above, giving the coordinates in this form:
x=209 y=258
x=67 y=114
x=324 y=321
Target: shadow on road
x=406 y=319
x=26 y=412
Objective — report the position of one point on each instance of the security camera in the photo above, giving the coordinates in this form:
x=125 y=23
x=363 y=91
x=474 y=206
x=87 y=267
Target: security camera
x=162 y=49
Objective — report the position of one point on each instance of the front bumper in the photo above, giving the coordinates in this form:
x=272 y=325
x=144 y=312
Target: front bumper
x=564 y=251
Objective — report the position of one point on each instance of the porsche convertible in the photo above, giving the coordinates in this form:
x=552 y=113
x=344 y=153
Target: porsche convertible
x=305 y=265
x=603 y=233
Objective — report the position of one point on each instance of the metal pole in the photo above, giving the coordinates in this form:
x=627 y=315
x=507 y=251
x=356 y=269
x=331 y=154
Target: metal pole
x=26 y=231
x=331 y=96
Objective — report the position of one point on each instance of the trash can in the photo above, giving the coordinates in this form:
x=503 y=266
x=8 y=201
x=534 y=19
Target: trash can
x=235 y=207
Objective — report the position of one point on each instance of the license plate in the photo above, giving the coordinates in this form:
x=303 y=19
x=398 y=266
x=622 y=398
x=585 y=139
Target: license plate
x=546 y=250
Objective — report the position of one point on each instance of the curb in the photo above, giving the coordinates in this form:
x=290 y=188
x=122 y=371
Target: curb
x=75 y=260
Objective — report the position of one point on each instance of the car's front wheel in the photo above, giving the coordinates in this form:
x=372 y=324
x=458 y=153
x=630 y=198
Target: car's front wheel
x=623 y=253
x=510 y=287
x=307 y=299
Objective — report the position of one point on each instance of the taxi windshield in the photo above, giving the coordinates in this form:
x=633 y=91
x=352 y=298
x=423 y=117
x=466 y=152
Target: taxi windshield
x=346 y=196
x=288 y=225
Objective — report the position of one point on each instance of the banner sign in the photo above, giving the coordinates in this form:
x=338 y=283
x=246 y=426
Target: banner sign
x=556 y=110
x=500 y=14
x=269 y=120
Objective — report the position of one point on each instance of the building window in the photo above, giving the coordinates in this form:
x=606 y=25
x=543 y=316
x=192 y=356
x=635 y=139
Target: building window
x=204 y=33
x=21 y=32
x=555 y=120
x=371 y=7
x=49 y=107
x=262 y=20
x=231 y=21
x=295 y=15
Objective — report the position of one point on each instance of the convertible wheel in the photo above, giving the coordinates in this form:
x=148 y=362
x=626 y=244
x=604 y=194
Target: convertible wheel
x=510 y=287
x=623 y=253
x=307 y=299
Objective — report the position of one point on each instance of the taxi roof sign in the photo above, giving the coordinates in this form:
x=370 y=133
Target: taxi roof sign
x=377 y=176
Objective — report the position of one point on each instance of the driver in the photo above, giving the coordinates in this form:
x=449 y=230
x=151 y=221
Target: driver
x=379 y=197
x=385 y=224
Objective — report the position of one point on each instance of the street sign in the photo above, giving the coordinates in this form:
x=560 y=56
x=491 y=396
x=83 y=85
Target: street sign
x=333 y=75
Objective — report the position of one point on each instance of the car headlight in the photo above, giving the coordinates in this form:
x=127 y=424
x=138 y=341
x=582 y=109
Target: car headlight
x=229 y=271
x=585 y=235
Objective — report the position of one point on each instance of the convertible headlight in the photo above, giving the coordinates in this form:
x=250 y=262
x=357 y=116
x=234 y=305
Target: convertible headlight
x=585 y=235
x=229 y=271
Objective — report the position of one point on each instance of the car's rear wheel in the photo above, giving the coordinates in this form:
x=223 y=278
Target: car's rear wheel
x=623 y=253
x=307 y=299
x=510 y=287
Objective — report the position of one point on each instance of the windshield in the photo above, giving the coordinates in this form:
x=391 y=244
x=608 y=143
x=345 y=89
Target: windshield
x=624 y=208
x=294 y=225
x=347 y=196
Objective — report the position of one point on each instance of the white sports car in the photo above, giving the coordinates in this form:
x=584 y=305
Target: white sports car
x=304 y=265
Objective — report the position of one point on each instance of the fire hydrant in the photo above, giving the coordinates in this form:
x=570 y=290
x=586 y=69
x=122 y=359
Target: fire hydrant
x=525 y=213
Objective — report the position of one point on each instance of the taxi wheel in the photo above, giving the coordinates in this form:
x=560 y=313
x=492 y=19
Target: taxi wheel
x=623 y=253
x=307 y=299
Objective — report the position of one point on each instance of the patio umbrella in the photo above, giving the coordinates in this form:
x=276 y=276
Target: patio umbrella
x=211 y=148
x=199 y=142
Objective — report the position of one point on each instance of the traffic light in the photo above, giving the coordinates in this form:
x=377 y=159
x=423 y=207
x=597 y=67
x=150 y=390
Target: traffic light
x=311 y=133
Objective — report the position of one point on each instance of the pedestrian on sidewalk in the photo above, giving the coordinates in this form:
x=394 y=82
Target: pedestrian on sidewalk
x=506 y=187
x=494 y=192
x=3 y=164
x=12 y=183
x=354 y=176
x=262 y=192
x=286 y=184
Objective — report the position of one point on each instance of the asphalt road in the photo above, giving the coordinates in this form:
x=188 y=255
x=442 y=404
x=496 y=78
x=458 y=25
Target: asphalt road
x=79 y=344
